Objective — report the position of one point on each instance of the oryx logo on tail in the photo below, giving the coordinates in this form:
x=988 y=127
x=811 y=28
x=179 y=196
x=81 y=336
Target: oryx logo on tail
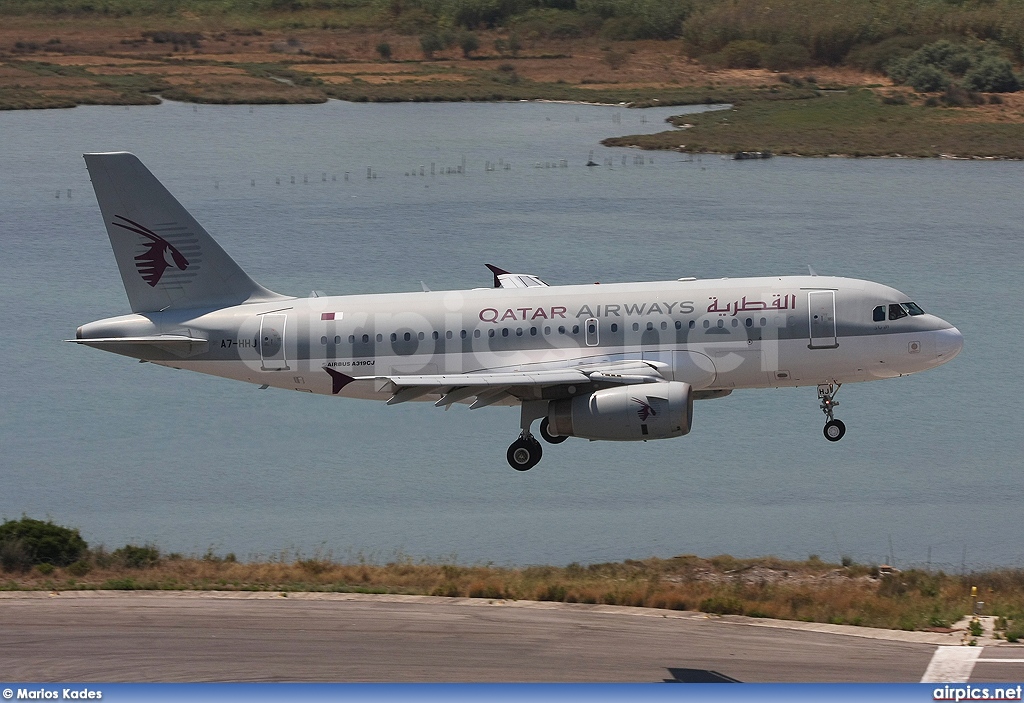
x=152 y=263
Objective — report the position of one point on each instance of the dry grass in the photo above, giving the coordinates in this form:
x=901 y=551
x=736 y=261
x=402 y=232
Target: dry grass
x=809 y=591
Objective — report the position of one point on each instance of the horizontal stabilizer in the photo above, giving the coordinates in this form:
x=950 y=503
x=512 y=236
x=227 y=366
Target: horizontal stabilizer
x=179 y=345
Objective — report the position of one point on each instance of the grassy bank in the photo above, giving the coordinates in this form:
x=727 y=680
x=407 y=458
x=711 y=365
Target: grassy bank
x=810 y=590
x=850 y=123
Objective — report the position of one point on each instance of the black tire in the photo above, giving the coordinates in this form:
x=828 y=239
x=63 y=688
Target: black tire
x=834 y=430
x=523 y=454
x=546 y=434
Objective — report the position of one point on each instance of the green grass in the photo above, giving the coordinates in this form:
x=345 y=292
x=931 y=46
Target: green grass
x=853 y=123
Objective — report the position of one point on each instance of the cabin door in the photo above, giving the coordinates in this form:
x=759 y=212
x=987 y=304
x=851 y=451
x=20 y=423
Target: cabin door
x=272 y=342
x=821 y=315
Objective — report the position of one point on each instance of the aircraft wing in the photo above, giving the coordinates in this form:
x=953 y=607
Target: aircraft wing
x=492 y=387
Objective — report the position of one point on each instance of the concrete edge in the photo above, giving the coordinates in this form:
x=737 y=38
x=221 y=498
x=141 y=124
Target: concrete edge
x=934 y=638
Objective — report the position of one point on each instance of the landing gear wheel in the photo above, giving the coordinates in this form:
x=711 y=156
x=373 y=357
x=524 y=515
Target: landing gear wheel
x=834 y=430
x=546 y=434
x=524 y=453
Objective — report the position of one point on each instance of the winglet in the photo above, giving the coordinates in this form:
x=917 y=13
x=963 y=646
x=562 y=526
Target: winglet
x=497 y=272
x=338 y=380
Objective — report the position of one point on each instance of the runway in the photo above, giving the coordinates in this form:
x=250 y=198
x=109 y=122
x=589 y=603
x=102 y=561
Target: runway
x=228 y=636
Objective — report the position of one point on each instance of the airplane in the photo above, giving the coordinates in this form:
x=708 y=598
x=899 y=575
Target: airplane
x=616 y=362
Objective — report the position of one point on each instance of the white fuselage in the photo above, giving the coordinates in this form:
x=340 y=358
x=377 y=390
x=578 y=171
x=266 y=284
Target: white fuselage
x=716 y=335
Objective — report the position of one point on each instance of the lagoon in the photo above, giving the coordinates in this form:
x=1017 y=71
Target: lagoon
x=930 y=472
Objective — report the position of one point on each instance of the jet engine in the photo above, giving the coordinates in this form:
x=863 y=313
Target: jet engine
x=638 y=411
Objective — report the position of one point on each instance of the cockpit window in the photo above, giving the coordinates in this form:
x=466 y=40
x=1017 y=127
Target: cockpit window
x=896 y=311
x=878 y=314
x=913 y=308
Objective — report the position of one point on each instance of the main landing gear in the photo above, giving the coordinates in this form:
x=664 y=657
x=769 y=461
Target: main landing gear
x=525 y=452
x=834 y=429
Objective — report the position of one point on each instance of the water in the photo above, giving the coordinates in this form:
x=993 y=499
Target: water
x=132 y=452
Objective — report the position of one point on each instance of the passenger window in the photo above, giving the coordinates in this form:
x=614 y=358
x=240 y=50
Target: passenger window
x=462 y=334
x=763 y=322
x=913 y=308
x=878 y=314
x=490 y=333
x=575 y=329
x=408 y=336
x=706 y=324
x=380 y=338
x=561 y=329
x=664 y=325
x=504 y=331
x=636 y=327
x=533 y=331
x=615 y=327
x=337 y=339
x=434 y=335
x=896 y=311
x=323 y=340
x=750 y=322
x=351 y=339
x=366 y=339
x=476 y=334
x=692 y=324
x=448 y=334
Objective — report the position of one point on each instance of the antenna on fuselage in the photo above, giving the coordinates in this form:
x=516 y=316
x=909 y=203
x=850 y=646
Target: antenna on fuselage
x=811 y=271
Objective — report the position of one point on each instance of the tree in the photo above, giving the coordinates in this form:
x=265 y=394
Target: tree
x=384 y=49
x=468 y=43
x=429 y=44
x=27 y=542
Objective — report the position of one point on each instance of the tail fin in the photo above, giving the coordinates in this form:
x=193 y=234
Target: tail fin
x=166 y=259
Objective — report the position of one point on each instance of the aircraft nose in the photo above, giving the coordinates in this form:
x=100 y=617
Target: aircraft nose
x=948 y=343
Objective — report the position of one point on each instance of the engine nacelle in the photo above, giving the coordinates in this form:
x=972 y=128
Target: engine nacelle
x=625 y=413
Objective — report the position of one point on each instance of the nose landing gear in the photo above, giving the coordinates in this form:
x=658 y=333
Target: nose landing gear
x=834 y=429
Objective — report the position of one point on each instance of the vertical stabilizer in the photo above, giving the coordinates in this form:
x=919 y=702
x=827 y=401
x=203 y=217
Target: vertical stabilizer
x=166 y=259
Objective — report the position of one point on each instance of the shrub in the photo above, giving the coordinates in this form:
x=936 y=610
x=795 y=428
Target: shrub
x=468 y=43
x=384 y=50
x=928 y=79
x=992 y=75
x=430 y=44
x=744 y=53
x=135 y=557
x=721 y=605
x=27 y=542
x=784 y=57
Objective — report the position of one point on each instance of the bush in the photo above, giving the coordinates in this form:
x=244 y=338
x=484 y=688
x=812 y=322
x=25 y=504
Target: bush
x=431 y=44
x=784 y=57
x=135 y=557
x=928 y=79
x=384 y=50
x=721 y=605
x=27 y=542
x=992 y=75
x=744 y=53
x=468 y=43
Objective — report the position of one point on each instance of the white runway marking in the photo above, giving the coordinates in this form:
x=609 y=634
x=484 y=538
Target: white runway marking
x=952 y=665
